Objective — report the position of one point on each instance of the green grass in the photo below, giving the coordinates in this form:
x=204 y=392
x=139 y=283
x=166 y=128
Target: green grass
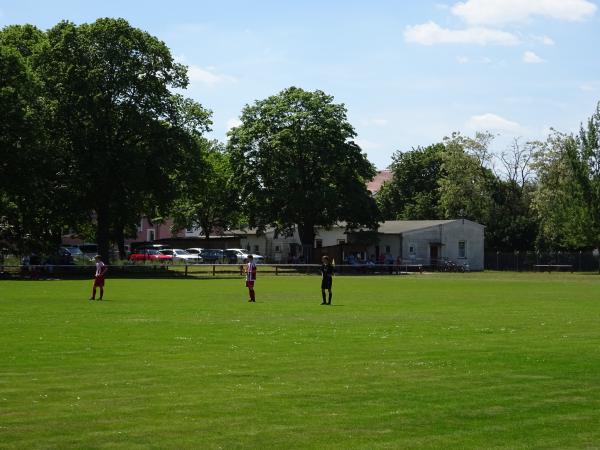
x=423 y=361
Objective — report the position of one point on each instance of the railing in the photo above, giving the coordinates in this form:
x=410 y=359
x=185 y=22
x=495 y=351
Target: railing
x=48 y=271
x=579 y=261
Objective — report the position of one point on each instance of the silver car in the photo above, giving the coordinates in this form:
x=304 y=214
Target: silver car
x=180 y=255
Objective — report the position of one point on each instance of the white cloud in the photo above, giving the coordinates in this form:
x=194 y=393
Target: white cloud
x=493 y=122
x=493 y=12
x=588 y=87
x=530 y=57
x=233 y=122
x=207 y=76
x=546 y=40
x=367 y=145
x=462 y=60
x=431 y=33
x=204 y=75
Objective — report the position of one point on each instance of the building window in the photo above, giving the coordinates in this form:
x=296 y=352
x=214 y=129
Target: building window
x=388 y=249
x=141 y=225
x=256 y=249
x=412 y=249
x=341 y=241
x=277 y=248
x=151 y=235
x=319 y=243
x=462 y=249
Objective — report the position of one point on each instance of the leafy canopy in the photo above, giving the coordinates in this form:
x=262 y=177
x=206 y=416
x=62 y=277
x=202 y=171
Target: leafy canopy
x=296 y=163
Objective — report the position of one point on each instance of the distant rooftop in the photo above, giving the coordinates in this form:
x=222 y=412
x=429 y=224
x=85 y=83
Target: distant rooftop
x=382 y=176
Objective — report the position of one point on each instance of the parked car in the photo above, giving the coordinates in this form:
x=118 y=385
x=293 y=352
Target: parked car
x=258 y=259
x=180 y=255
x=149 y=254
x=212 y=255
x=73 y=251
x=195 y=251
x=89 y=250
x=235 y=255
x=239 y=255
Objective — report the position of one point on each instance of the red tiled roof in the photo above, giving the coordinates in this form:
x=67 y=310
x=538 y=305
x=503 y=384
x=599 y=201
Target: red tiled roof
x=382 y=176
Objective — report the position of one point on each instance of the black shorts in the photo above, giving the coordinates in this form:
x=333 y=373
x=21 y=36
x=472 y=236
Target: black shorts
x=326 y=283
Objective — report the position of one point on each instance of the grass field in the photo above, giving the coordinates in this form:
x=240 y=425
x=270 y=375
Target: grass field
x=429 y=361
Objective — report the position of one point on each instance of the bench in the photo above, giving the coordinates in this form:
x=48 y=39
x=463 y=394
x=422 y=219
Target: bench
x=550 y=267
x=415 y=268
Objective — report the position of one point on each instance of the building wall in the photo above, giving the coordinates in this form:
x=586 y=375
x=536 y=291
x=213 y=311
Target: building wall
x=420 y=242
x=473 y=235
x=330 y=237
x=448 y=235
x=146 y=230
x=393 y=241
x=255 y=244
x=281 y=249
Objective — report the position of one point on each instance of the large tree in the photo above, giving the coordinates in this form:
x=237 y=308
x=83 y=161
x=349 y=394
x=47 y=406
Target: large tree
x=559 y=201
x=297 y=164
x=567 y=200
x=466 y=187
x=512 y=223
x=413 y=193
x=210 y=200
x=585 y=161
x=34 y=202
x=126 y=138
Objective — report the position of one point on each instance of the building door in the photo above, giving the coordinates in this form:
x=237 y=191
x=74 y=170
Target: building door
x=434 y=254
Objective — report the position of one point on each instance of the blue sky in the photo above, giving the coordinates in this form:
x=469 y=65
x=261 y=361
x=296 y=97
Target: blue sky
x=408 y=72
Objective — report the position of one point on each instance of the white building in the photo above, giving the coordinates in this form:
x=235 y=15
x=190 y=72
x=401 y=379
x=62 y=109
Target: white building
x=419 y=241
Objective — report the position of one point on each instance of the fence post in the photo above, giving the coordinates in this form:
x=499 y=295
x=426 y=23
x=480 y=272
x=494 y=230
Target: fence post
x=497 y=259
x=186 y=270
x=276 y=270
x=517 y=259
x=214 y=270
x=579 y=262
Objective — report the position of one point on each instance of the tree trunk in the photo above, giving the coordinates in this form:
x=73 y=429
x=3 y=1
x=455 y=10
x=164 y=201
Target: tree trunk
x=120 y=238
x=206 y=231
x=307 y=238
x=103 y=232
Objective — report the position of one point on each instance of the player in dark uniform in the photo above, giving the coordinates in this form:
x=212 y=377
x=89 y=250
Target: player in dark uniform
x=326 y=279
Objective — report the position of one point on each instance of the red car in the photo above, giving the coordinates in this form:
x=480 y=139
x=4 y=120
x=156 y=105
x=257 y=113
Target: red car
x=151 y=255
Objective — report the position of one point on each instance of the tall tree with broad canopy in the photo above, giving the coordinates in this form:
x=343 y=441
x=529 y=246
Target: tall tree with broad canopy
x=467 y=186
x=559 y=200
x=413 y=194
x=586 y=164
x=126 y=138
x=34 y=202
x=567 y=200
x=296 y=164
x=210 y=200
